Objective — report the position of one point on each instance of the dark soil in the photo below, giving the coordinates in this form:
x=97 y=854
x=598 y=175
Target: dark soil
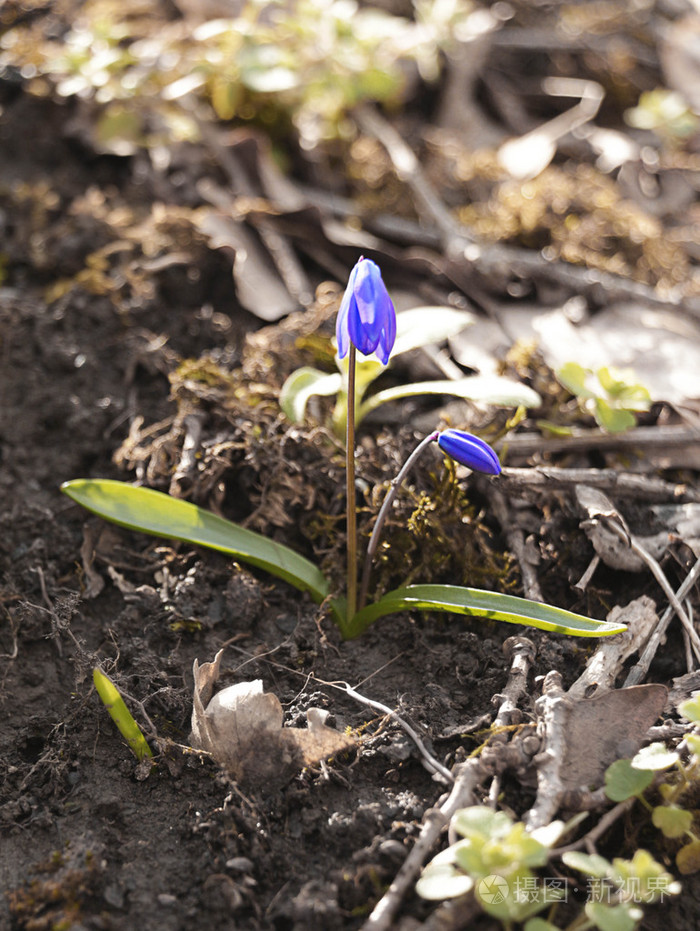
x=90 y=838
x=87 y=840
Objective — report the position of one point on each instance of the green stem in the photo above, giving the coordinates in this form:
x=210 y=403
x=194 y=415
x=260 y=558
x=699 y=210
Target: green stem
x=350 y=486
x=384 y=510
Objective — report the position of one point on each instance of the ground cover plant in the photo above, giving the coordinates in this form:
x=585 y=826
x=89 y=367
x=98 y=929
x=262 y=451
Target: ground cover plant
x=188 y=740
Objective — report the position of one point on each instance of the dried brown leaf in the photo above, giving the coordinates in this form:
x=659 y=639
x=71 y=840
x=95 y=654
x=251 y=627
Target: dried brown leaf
x=242 y=727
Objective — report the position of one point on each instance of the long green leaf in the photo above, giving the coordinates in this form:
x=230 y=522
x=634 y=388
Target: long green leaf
x=492 y=389
x=490 y=605
x=150 y=511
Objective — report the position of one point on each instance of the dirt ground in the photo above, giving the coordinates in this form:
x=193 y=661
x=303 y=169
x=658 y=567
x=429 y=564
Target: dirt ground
x=89 y=838
x=87 y=842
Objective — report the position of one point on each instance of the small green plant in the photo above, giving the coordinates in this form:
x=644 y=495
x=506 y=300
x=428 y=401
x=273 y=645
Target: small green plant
x=121 y=715
x=617 y=889
x=366 y=323
x=611 y=396
x=495 y=859
x=666 y=113
x=630 y=778
x=304 y=63
x=627 y=779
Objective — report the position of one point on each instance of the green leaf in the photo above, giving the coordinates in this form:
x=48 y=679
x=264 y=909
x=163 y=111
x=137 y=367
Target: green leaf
x=614 y=917
x=153 y=512
x=654 y=757
x=491 y=389
x=690 y=708
x=378 y=83
x=304 y=384
x=612 y=419
x=688 y=858
x=503 y=895
x=612 y=381
x=121 y=715
x=642 y=878
x=525 y=848
x=623 y=782
x=672 y=820
x=490 y=605
x=468 y=855
x=539 y=924
x=573 y=377
x=592 y=864
x=443 y=881
x=366 y=371
x=549 y=834
x=482 y=821
x=621 y=386
x=554 y=429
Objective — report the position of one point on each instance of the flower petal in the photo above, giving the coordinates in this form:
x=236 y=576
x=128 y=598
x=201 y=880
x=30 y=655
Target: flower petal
x=341 y=324
x=366 y=317
x=470 y=451
x=387 y=337
x=363 y=321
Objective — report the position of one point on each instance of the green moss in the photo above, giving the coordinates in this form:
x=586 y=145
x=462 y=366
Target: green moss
x=441 y=535
x=57 y=902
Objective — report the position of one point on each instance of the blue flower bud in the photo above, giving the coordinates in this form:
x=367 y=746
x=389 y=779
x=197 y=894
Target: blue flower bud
x=366 y=318
x=470 y=451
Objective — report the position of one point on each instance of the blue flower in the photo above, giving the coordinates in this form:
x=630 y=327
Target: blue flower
x=469 y=450
x=366 y=318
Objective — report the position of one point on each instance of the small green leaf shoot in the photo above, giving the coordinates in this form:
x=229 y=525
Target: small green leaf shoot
x=573 y=377
x=121 y=715
x=693 y=741
x=643 y=878
x=443 y=880
x=495 y=858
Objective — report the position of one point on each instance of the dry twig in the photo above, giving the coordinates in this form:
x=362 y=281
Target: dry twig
x=638 y=672
x=607 y=661
x=546 y=478
x=516 y=542
x=660 y=438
